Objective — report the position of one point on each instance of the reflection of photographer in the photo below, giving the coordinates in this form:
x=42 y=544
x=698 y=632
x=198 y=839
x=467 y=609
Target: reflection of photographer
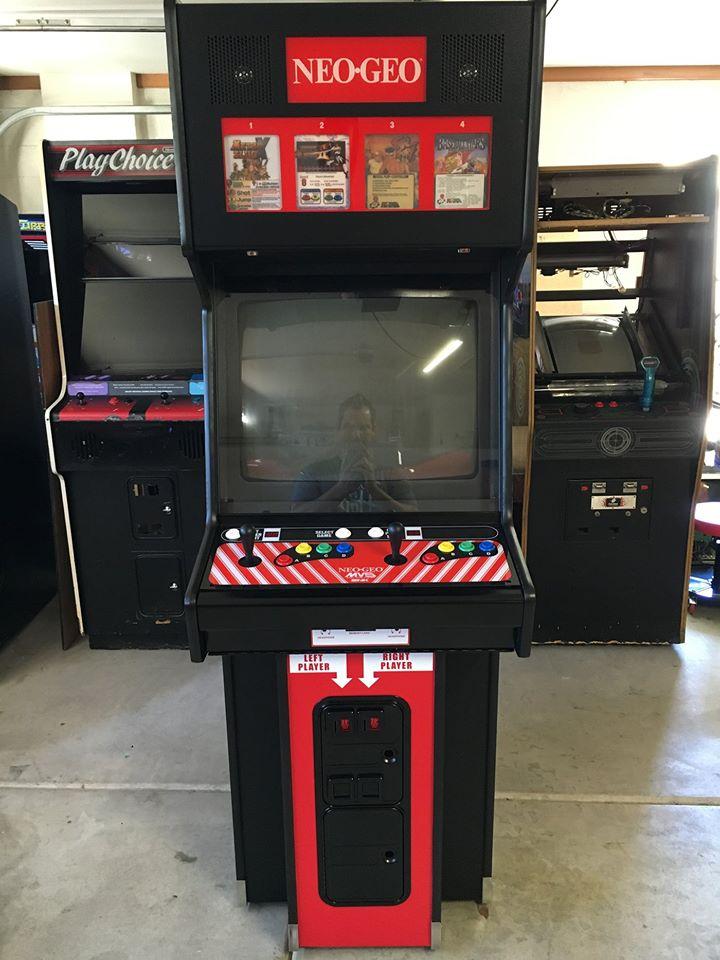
x=352 y=481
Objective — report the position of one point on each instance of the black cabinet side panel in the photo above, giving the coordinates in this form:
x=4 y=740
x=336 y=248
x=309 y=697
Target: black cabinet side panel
x=470 y=708
x=251 y=702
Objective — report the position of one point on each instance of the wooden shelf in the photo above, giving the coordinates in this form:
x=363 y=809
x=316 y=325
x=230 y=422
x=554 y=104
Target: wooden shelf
x=624 y=223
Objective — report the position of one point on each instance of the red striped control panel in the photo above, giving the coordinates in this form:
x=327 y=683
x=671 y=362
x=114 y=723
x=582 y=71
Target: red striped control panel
x=358 y=560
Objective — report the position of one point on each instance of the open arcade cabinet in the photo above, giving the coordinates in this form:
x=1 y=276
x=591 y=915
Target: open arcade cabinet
x=126 y=431
x=357 y=190
x=623 y=351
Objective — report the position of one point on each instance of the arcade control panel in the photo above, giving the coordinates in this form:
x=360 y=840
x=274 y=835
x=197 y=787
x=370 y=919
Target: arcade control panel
x=121 y=408
x=150 y=397
x=359 y=556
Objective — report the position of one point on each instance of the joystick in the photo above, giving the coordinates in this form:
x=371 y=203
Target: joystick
x=247 y=538
x=396 y=533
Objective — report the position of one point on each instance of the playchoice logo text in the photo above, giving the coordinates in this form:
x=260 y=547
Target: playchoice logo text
x=356 y=69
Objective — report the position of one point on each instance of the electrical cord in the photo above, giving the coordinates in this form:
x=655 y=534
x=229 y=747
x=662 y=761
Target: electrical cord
x=551 y=9
x=392 y=339
x=612 y=209
x=578 y=212
x=625 y=207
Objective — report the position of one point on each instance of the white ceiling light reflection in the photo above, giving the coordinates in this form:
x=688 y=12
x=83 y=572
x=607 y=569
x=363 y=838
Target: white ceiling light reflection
x=443 y=353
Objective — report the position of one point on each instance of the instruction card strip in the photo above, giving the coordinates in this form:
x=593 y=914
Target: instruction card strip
x=366 y=164
x=380 y=637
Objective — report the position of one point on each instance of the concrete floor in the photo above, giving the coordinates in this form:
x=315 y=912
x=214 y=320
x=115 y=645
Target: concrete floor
x=115 y=831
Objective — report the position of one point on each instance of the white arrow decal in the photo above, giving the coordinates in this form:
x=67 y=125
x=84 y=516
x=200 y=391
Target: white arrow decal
x=340 y=667
x=371 y=663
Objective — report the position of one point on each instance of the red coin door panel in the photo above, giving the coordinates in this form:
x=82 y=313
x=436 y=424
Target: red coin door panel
x=312 y=678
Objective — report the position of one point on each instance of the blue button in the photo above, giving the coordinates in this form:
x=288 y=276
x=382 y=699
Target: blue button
x=487 y=546
x=344 y=548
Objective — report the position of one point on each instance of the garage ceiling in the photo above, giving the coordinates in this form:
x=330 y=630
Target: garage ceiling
x=579 y=33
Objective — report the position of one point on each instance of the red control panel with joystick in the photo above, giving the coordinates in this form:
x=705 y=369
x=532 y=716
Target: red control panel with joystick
x=298 y=557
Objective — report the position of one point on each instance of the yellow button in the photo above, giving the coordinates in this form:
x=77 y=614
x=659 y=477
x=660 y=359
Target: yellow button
x=446 y=547
x=303 y=548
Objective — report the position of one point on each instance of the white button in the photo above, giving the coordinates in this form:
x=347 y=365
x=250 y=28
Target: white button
x=376 y=532
x=342 y=533
x=232 y=534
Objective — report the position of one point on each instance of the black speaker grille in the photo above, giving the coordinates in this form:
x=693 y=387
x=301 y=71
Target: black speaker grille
x=239 y=69
x=86 y=446
x=472 y=67
x=191 y=441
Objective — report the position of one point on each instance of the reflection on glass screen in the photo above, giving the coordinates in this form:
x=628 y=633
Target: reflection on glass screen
x=349 y=404
x=589 y=344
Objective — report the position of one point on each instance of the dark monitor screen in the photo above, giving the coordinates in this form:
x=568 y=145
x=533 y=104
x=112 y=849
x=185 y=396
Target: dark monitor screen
x=142 y=326
x=589 y=345
x=340 y=403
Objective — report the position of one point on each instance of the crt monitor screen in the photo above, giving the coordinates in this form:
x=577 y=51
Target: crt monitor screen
x=352 y=404
x=589 y=345
x=141 y=326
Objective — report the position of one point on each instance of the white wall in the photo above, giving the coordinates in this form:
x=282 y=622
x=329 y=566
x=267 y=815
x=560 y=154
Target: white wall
x=651 y=121
x=20 y=159
x=20 y=147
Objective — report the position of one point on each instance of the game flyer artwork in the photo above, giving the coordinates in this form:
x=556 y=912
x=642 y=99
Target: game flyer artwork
x=322 y=171
x=391 y=171
x=461 y=167
x=252 y=172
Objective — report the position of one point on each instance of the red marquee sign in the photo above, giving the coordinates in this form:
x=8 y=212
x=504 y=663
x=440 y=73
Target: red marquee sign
x=356 y=69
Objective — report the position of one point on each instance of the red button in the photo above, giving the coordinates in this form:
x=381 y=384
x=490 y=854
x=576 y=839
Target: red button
x=373 y=723
x=584 y=488
x=430 y=558
x=283 y=560
x=613 y=404
x=345 y=725
x=599 y=403
x=644 y=486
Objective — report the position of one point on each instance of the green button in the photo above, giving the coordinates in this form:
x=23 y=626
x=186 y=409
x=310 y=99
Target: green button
x=467 y=546
x=324 y=547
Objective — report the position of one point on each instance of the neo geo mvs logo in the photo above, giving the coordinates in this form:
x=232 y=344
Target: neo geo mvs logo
x=356 y=69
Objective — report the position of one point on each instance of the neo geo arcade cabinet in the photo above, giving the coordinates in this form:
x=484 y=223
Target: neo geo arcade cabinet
x=357 y=186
